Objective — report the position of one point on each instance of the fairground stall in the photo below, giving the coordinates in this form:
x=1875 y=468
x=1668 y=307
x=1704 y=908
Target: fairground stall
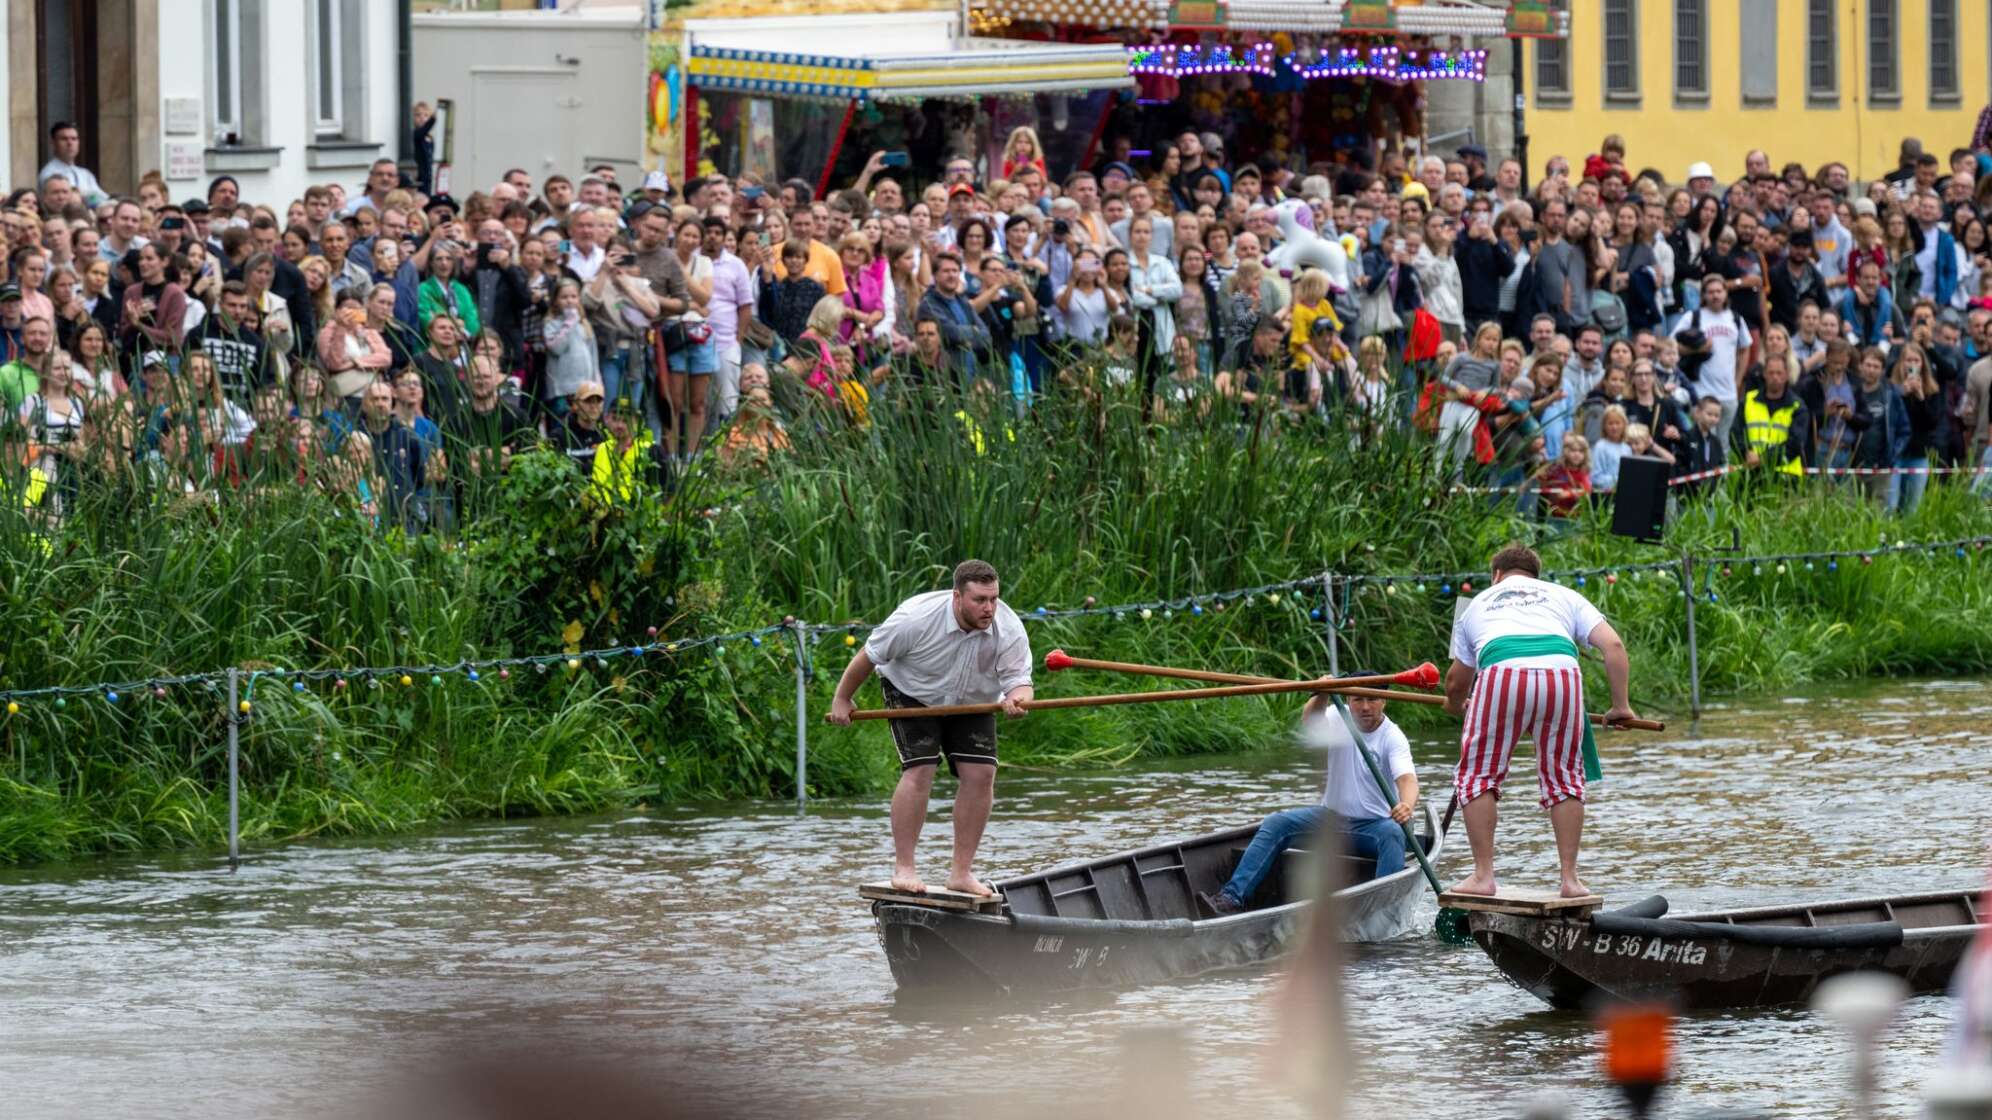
x=812 y=97
x=1287 y=82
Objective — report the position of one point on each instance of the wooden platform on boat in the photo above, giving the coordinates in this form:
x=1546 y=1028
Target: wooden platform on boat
x=938 y=898
x=1525 y=904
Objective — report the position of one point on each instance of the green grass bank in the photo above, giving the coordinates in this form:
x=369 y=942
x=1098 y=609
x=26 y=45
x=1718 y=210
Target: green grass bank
x=1080 y=501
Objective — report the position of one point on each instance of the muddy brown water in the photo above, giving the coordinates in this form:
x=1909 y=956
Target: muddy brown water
x=723 y=944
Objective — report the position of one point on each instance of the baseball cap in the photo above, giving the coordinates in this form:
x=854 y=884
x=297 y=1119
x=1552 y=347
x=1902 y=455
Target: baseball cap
x=154 y=358
x=1126 y=169
x=961 y=188
x=1474 y=151
x=444 y=201
x=9 y=291
x=1700 y=170
x=195 y=206
x=657 y=181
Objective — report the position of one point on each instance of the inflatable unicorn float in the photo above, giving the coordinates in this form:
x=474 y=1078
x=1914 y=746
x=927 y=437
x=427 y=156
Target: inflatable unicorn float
x=1301 y=248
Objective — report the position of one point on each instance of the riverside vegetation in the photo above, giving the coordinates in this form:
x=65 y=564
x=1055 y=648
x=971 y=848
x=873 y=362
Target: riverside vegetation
x=1082 y=499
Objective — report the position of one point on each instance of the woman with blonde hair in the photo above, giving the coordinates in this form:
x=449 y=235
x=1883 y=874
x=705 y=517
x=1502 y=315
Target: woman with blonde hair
x=1923 y=399
x=811 y=358
x=1022 y=150
x=1776 y=352
x=1245 y=298
x=1566 y=480
x=1610 y=449
x=1369 y=389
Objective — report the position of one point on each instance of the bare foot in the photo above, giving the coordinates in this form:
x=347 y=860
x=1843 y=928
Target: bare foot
x=969 y=884
x=907 y=881
x=1572 y=888
x=1476 y=885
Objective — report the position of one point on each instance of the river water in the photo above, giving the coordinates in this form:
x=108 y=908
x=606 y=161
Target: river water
x=721 y=950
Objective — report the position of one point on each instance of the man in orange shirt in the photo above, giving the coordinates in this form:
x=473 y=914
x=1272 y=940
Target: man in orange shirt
x=824 y=266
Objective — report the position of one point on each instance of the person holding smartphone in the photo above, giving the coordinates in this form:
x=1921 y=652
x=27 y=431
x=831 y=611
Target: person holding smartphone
x=1085 y=304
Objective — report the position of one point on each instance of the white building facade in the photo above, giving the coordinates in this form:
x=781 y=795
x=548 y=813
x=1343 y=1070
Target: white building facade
x=280 y=94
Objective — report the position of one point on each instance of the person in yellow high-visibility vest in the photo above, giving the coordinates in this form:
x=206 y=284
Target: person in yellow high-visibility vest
x=29 y=481
x=1775 y=427
x=620 y=458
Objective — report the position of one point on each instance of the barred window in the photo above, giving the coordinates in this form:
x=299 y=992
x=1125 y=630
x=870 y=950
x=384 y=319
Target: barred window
x=1884 y=61
x=1944 y=88
x=1622 y=50
x=1691 y=50
x=1822 y=51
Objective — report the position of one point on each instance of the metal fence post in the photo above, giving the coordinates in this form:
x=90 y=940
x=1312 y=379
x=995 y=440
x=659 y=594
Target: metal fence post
x=799 y=632
x=1694 y=655
x=234 y=773
x=1328 y=616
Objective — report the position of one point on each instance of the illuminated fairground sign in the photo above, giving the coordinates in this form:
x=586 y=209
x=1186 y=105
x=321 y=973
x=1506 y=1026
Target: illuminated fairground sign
x=1177 y=60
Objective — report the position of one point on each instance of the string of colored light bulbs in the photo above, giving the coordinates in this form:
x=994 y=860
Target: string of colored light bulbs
x=1281 y=593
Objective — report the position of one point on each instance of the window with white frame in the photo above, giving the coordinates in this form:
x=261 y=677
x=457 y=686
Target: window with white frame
x=1691 y=50
x=336 y=58
x=1944 y=86
x=328 y=93
x=225 y=71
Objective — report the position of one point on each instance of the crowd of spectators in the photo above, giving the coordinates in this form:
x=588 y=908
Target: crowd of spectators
x=400 y=347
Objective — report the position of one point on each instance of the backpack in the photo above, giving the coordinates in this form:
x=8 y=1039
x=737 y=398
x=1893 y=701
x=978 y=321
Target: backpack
x=1608 y=314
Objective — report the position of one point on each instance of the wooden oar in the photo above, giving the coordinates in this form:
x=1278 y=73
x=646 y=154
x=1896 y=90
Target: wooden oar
x=1424 y=676
x=1058 y=659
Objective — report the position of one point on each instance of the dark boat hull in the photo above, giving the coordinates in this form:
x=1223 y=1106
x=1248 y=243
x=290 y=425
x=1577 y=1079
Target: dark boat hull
x=935 y=949
x=1038 y=953
x=1570 y=963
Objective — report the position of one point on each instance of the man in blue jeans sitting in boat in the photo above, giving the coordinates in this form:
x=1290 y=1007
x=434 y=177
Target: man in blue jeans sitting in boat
x=1369 y=825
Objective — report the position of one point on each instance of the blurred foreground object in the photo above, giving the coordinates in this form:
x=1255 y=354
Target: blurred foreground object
x=1639 y=1048
x=1862 y=1003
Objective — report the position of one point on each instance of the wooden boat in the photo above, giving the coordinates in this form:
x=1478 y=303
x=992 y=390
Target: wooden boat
x=1730 y=958
x=1132 y=918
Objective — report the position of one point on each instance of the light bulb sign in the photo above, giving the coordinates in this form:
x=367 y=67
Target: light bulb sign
x=1385 y=63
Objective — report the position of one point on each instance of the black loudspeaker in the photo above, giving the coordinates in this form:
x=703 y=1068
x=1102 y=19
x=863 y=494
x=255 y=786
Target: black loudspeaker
x=1639 y=508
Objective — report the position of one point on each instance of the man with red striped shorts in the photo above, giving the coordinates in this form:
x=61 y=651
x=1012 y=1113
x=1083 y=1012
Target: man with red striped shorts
x=1515 y=672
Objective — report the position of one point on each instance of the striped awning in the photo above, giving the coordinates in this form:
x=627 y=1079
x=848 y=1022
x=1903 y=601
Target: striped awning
x=976 y=67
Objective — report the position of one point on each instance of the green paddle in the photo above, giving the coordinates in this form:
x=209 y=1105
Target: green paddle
x=1451 y=926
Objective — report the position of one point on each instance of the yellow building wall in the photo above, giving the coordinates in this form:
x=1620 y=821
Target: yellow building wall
x=1663 y=135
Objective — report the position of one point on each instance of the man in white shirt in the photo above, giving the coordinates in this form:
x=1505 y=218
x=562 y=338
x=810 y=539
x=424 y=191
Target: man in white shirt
x=1727 y=337
x=964 y=646
x=1514 y=670
x=585 y=254
x=1370 y=826
x=65 y=143
x=732 y=303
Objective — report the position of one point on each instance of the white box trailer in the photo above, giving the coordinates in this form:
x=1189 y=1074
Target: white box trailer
x=543 y=90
